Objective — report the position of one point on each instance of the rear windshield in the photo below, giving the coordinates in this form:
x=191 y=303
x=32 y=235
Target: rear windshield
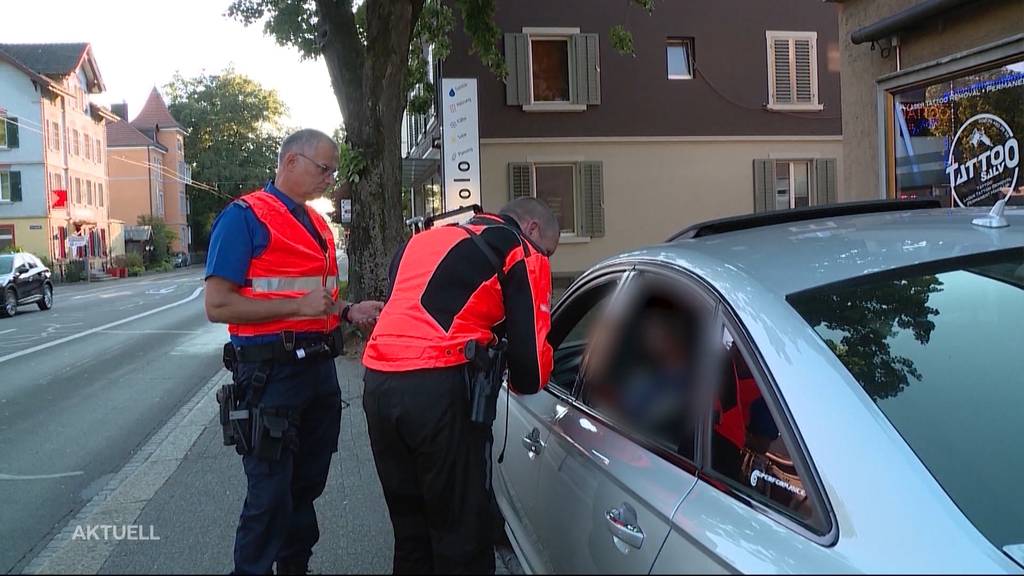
x=940 y=350
x=6 y=264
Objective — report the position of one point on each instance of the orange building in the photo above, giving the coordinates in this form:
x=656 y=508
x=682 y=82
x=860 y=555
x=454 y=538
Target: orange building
x=147 y=171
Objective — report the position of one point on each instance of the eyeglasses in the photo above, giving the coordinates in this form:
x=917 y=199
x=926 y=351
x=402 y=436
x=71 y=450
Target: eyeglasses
x=324 y=168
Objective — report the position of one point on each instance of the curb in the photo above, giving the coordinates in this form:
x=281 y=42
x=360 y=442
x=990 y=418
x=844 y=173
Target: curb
x=122 y=500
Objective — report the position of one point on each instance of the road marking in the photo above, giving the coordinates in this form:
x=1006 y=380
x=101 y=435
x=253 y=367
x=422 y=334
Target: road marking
x=40 y=477
x=7 y=331
x=101 y=294
x=100 y=328
x=152 y=332
x=167 y=290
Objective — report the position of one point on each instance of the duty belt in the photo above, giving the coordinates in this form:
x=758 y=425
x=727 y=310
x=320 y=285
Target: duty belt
x=288 y=349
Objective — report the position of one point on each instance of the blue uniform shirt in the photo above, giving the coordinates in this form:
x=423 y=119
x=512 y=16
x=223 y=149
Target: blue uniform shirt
x=238 y=236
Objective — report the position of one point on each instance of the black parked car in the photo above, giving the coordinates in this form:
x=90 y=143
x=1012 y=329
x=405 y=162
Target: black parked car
x=24 y=280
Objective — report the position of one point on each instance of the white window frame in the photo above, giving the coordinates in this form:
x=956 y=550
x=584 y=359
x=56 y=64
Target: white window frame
x=687 y=43
x=791 y=163
x=577 y=196
x=3 y=121
x=565 y=34
x=770 y=37
x=5 y=185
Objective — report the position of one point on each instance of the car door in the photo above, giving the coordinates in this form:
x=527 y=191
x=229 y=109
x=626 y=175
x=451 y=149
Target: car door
x=757 y=507
x=36 y=272
x=23 y=281
x=521 y=428
x=619 y=457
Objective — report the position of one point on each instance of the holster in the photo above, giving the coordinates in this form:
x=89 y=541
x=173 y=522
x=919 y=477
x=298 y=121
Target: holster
x=484 y=375
x=274 y=430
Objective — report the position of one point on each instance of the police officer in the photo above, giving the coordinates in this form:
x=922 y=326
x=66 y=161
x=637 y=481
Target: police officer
x=446 y=290
x=272 y=276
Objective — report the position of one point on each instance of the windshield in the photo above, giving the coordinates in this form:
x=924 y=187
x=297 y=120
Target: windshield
x=940 y=351
x=6 y=263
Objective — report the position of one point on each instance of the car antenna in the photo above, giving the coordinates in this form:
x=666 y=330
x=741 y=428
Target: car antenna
x=995 y=218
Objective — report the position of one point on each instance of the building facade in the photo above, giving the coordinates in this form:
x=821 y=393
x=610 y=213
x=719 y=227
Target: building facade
x=148 y=172
x=933 y=98
x=53 y=166
x=725 y=108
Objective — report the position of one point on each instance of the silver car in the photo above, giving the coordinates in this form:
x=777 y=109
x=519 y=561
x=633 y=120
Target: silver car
x=827 y=390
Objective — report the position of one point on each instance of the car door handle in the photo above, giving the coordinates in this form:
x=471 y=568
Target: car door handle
x=622 y=524
x=533 y=443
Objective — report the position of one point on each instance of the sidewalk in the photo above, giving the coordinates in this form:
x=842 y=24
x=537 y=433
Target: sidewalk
x=195 y=511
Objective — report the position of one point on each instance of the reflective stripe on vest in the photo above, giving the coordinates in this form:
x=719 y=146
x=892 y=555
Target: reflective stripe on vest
x=303 y=284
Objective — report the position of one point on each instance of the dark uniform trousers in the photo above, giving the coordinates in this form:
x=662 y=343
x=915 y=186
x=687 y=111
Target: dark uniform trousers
x=278 y=521
x=434 y=467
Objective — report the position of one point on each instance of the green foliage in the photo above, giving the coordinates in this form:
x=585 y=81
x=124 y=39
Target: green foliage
x=12 y=249
x=291 y=22
x=351 y=163
x=136 y=271
x=74 y=271
x=162 y=238
x=234 y=132
x=130 y=260
x=46 y=262
x=622 y=40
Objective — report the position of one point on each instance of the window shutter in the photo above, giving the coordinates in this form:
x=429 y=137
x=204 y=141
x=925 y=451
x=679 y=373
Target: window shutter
x=517 y=62
x=764 y=178
x=592 y=183
x=520 y=181
x=12 y=132
x=15 y=186
x=825 y=181
x=783 y=81
x=588 y=69
x=803 y=61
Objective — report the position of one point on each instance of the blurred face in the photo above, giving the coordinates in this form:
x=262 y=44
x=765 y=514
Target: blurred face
x=548 y=243
x=312 y=172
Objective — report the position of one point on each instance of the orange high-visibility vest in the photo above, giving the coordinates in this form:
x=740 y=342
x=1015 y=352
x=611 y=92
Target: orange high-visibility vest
x=292 y=265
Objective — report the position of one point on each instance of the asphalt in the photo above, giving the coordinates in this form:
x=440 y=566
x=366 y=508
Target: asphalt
x=83 y=386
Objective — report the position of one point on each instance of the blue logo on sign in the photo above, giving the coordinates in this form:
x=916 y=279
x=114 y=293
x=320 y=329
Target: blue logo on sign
x=452 y=92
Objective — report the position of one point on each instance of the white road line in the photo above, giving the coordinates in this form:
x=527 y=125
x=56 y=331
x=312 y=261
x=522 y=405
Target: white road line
x=7 y=331
x=111 y=295
x=40 y=477
x=151 y=332
x=99 y=328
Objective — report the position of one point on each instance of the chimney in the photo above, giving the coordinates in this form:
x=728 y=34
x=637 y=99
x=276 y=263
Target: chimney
x=121 y=110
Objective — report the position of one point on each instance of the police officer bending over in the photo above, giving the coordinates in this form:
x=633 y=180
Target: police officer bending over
x=272 y=276
x=448 y=290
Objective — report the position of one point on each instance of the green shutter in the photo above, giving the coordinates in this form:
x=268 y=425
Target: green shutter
x=12 y=132
x=825 y=181
x=517 y=62
x=592 y=192
x=587 y=74
x=520 y=181
x=15 y=186
x=764 y=183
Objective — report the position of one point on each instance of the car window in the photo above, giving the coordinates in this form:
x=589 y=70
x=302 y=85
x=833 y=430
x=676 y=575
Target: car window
x=748 y=446
x=938 y=349
x=573 y=327
x=6 y=263
x=643 y=373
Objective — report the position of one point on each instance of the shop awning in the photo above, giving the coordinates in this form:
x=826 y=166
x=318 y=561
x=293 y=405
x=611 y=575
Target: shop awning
x=137 y=233
x=415 y=170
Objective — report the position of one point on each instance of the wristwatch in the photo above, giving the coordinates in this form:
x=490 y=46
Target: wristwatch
x=345 y=313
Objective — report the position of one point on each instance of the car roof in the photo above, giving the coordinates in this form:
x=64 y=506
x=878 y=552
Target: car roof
x=795 y=256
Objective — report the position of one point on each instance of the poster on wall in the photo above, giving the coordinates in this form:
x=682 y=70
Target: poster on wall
x=958 y=139
x=460 y=145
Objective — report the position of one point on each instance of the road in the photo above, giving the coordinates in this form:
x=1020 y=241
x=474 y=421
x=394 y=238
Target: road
x=83 y=386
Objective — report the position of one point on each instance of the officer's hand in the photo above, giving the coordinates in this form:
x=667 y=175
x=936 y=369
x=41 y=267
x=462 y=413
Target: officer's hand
x=316 y=303
x=365 y=313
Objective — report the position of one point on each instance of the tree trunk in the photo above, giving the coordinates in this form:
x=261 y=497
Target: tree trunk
x=369 y=84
